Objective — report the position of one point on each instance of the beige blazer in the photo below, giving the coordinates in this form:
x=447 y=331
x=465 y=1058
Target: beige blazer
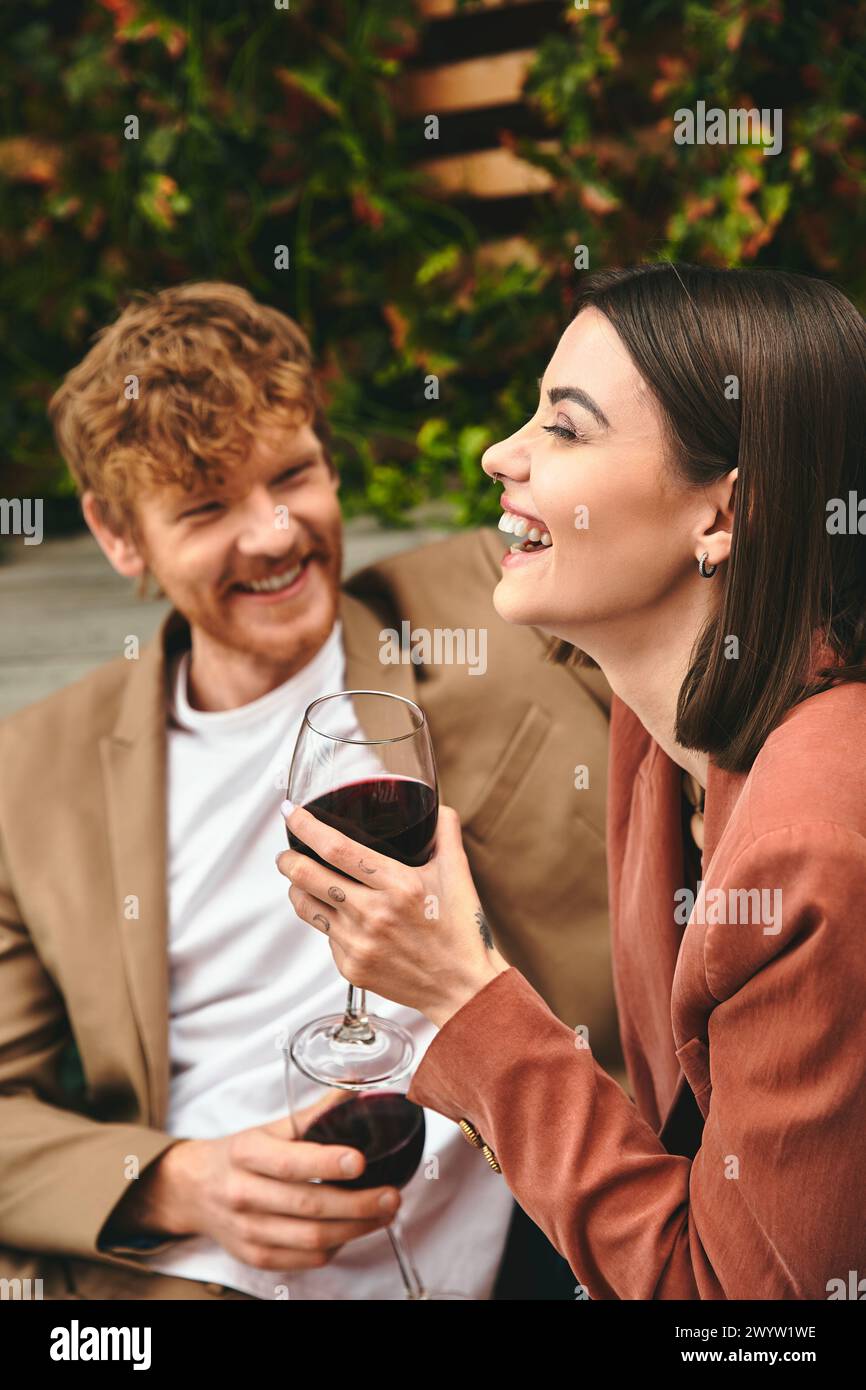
x=82 y=826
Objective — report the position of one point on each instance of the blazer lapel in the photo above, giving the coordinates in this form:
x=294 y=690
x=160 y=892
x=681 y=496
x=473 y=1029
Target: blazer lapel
x=133 y=770
x=362 y=641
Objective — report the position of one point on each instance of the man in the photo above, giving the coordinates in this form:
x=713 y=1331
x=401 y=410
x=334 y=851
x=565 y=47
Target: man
x=145 y=934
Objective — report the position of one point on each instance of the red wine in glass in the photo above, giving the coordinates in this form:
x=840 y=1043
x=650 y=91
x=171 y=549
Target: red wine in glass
x=363 y=764
x=389 y=1130
x=393 y=815
x=385 y=1127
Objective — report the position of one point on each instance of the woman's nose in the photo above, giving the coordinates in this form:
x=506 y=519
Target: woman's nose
x=507 y=457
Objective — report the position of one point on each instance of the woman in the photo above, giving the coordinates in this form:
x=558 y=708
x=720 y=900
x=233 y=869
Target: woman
x=696 y=461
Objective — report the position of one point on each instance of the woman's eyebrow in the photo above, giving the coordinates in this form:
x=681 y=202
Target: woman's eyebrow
x=580 y=397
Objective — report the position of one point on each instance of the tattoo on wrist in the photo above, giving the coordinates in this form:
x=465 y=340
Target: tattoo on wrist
x=484 y=929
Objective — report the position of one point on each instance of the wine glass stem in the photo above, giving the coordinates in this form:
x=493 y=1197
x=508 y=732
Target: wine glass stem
x=356 y=1027
x=411 y=1278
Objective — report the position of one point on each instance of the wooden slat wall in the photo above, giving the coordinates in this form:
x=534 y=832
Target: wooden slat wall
x=487 y=174
x=439 y=8
x=468 y=91
x=465 y=86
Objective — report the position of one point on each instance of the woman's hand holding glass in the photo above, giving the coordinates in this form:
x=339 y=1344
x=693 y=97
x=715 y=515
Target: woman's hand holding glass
x=416 y=936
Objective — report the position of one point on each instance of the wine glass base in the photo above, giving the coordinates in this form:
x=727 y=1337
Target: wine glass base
x=354 y=1063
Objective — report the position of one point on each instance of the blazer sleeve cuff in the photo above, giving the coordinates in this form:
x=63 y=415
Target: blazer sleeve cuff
x=139 y=1245
x=473 y=1053
x=133 y=1249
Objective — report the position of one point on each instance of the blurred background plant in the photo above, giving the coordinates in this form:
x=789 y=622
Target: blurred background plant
x=261 y=127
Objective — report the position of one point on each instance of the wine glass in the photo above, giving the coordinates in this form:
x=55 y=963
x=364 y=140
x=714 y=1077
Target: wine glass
x=364 y=764
x=386 y=1127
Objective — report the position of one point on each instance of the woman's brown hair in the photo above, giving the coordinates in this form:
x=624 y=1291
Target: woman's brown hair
x=763 y=371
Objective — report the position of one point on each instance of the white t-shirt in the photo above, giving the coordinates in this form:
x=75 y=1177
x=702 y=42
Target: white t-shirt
x=245 y=971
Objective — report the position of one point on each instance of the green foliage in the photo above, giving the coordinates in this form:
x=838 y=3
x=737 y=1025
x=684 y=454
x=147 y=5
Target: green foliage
x=260 y=127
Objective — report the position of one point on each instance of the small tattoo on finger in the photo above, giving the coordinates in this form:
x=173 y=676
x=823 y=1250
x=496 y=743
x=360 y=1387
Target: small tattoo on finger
x=337 y=894
x=321 y=921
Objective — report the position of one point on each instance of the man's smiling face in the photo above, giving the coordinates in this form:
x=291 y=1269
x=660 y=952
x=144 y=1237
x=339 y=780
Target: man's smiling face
x=254 y=562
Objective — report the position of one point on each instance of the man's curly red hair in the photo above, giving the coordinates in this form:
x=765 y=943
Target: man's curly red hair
x=175 y=389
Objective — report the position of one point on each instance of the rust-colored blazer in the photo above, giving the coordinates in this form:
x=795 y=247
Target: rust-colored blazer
x=738 y=1173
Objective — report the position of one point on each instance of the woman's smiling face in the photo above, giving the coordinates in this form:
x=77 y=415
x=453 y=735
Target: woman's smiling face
x=590 y=469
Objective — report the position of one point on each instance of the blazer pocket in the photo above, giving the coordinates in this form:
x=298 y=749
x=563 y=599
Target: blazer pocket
x=694 y=1058
x=513 y=764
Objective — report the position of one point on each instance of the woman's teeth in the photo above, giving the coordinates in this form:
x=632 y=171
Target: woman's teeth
x=276 y=581
x=531 y=536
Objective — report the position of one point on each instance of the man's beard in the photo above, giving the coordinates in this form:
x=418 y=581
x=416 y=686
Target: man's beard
x=227 y=629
